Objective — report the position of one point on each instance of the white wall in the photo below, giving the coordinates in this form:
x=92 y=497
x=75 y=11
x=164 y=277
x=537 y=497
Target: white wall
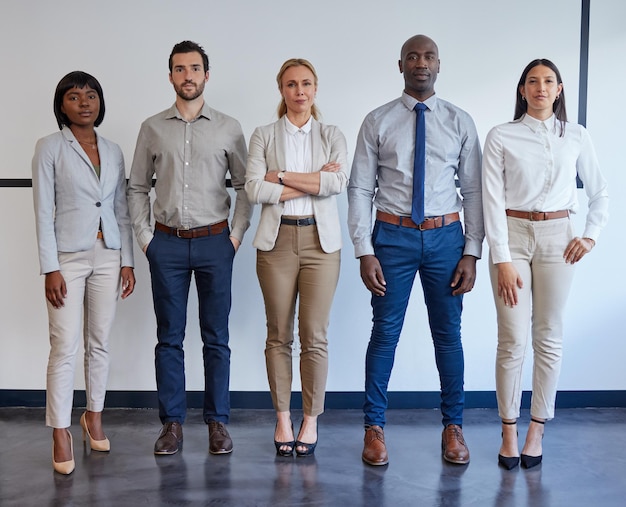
x=354 y=45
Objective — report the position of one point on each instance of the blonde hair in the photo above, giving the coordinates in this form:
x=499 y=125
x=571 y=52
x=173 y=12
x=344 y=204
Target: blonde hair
x=295 y=62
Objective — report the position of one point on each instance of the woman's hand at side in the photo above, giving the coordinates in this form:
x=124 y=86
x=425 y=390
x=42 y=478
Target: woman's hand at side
x=508 y=283
x=577 y=249
x=56 y=290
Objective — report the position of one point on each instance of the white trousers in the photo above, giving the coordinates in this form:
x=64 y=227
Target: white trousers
x=93 y=285
x=537 y=253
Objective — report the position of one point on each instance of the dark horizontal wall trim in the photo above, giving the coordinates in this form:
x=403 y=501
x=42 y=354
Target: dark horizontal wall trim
x=16 y=182
x=334 y=400
x=28 y=182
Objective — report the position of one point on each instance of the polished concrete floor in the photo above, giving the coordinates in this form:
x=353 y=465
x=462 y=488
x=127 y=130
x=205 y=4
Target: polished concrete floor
x=584 y=463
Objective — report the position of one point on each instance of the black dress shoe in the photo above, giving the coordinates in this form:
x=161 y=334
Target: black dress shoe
x=309 y=449
x=170 y=439
x=289 y=445
x=532 y=461
x=508 y=462
x=219 y=439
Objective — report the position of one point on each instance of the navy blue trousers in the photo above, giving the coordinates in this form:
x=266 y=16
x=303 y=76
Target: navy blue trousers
x=172 y=262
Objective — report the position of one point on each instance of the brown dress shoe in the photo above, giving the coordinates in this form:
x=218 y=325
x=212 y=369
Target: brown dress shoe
x=453 y=445
x=170 y=438
x=219 y=439
x=374 y=449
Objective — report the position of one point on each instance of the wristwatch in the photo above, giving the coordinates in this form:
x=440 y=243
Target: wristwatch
x=281 y=175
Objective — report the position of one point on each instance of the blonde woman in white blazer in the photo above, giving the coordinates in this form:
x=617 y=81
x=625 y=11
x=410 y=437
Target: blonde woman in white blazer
x=296 y=167
x=85 y=252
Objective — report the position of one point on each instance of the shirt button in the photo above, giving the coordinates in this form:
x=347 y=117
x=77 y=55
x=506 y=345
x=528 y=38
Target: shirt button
x=186 y=163
x=98 y=204
x=186 y=186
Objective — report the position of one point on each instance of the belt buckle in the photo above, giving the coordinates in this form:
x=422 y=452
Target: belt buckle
x=185 y=229
x=422 y=226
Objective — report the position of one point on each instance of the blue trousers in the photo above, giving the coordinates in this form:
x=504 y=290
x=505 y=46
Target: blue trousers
x=402 y=252
x=172 y=261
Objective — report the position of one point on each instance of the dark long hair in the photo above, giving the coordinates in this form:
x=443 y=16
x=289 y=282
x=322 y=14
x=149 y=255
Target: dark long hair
x=559 y=105
x=76 y=79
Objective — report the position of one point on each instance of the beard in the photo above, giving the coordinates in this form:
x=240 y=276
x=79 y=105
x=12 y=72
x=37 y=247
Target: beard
x=189 y=94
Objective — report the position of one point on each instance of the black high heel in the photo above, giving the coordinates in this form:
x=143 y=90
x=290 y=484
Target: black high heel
x=508 y=462
x=291 y=445
x=309 y=449
x=532 y=461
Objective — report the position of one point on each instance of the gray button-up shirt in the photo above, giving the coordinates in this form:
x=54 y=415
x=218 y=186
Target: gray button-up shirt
x=190 y=161
x=382 y=169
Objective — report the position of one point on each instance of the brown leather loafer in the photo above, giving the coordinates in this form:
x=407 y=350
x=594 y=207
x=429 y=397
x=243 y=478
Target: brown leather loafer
x=170 y=438
x=453 y=445
x=219 y=439
x=374 y=448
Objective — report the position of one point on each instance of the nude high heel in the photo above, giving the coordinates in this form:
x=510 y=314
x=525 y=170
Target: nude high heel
x=64 y=467
x=96 y=445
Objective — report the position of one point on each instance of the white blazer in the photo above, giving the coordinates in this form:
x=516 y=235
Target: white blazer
x=267 y=153
x=70 y=200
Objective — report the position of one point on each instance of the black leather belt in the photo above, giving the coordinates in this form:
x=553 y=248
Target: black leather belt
x=298 y=222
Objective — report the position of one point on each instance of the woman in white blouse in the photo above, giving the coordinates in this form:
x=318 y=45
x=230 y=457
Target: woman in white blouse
x=529 y=191
x=296 y=166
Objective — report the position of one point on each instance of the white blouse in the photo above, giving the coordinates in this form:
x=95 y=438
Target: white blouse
x=298 y=158
x=528 y=166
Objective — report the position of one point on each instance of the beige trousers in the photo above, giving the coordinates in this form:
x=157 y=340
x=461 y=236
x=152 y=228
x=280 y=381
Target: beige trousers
x=537 y=253
x=297 y=270
x=93 y=284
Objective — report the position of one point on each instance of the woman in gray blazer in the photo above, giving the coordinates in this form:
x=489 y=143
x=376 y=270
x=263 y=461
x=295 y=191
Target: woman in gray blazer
x=296 y=166
x=85 y=252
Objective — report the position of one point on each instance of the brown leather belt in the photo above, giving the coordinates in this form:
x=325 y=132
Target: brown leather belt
x=100 y=235
x=196 y=232
x=429 y=223
x=536 y=216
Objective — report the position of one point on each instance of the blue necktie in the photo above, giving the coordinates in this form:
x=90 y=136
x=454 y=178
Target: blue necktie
x=419 y=164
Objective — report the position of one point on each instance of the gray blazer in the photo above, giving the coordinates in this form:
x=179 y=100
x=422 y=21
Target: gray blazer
x=70 y=200
x=267 y=153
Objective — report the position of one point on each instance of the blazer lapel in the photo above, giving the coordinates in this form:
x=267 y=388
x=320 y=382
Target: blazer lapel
x=103 y=153
x=279 y=145
x=75 y=145
x=318 y=159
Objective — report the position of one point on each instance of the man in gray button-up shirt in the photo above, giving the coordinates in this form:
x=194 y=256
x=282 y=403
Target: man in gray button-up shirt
x=190 y=148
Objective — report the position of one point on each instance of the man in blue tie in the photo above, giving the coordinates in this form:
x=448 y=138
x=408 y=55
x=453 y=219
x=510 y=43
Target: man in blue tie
x=410 y=153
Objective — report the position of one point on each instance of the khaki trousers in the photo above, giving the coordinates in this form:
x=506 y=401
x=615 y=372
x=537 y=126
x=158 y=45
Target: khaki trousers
x=297 y=270
x=537 y=253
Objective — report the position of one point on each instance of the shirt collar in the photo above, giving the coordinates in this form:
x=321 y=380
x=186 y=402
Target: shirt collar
x=410 y=102
x=534 y=124
x=173 y=112
x=292 y=129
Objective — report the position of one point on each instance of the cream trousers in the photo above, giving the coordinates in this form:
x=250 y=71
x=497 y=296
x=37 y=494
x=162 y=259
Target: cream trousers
x=537 y=253
x=92 y=278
